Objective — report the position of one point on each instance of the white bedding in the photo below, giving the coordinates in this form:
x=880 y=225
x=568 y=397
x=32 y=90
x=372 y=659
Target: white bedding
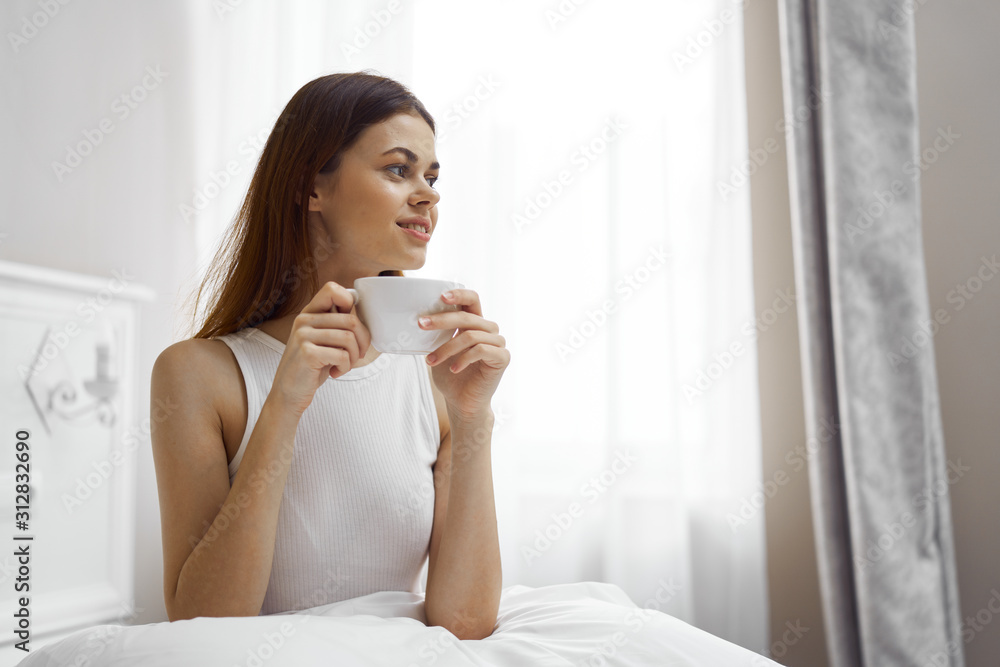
x=580 y=624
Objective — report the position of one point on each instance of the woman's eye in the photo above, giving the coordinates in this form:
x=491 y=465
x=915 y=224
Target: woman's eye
x=404 y=168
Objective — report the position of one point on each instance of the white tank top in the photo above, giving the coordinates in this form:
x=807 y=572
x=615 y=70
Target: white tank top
x=358 y=505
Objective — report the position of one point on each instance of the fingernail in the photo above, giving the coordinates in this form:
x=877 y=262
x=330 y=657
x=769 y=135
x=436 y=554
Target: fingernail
x=448 y=295
x=424 y=321
x=431 y=358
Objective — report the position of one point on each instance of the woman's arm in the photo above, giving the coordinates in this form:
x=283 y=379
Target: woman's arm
x=218 y=542
x=464 y=578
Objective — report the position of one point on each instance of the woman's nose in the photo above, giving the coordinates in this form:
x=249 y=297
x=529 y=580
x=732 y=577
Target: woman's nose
x=426 y=195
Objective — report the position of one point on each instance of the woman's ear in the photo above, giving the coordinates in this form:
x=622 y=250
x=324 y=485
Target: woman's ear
x=317 y=192
x=314 y=195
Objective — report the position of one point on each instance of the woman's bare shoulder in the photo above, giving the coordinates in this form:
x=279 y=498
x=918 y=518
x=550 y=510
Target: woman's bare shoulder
x=198 y=358
x=209 y=368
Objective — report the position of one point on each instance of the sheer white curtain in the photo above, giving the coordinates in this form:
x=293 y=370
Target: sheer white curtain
x=581 y=160
x=249 y=58
x=577 y=150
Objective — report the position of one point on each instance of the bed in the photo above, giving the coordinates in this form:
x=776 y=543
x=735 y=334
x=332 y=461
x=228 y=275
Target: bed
x=581 y=624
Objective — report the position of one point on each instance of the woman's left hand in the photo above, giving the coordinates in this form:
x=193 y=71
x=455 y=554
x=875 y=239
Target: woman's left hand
x=476 y=353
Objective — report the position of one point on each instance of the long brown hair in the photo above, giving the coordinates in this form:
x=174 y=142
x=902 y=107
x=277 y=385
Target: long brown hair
x=257 y=272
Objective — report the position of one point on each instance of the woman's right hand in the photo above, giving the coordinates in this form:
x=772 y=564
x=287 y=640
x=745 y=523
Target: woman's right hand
x=327 y=340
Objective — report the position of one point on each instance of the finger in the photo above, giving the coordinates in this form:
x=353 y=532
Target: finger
x=491 y=355
x=320 y=356
x=461 y=342
x=331 y=297
x=466 y=298
x=350 y=322
x=458 y=319
x=324 y=339
x=336 y=338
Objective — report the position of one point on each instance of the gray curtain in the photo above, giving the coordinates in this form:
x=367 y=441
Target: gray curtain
x=879 y=484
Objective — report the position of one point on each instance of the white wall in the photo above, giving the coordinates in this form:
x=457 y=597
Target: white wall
x=793 y=583
x=117 y=208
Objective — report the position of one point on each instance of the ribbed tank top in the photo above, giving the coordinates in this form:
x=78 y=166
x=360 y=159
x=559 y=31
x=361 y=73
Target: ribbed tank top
x=358 y=504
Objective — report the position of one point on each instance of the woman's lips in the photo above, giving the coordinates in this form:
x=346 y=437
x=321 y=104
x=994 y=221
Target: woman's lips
x=415 y=233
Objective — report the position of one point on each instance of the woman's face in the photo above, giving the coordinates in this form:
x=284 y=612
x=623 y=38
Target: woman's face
x=385 y=177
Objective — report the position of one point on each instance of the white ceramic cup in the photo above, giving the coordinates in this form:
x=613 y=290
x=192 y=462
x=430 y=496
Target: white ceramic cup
x=390 y=305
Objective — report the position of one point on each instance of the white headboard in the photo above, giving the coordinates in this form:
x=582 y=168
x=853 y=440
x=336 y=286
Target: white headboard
x=67 y=388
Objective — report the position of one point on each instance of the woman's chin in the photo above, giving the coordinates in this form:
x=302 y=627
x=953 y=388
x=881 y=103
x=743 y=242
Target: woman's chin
x=414 y=262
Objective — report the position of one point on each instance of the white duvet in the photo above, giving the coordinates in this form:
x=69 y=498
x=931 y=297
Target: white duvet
x=582 y=624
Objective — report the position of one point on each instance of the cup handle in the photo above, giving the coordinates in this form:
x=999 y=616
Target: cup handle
x=354 y=293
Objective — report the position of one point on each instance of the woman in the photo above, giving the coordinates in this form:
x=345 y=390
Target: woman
x=341 y=480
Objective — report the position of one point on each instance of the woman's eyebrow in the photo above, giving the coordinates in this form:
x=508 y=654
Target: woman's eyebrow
x=410 y=155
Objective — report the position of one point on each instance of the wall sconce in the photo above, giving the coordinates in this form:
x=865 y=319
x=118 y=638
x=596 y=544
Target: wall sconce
x=59 y=397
